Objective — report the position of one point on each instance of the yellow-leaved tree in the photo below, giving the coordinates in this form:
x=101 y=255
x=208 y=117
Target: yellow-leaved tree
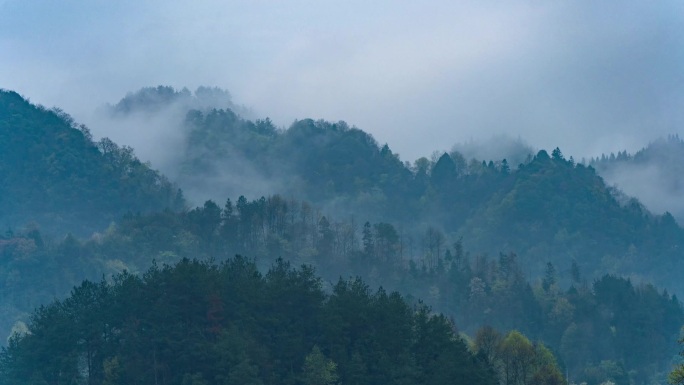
x=676 y=376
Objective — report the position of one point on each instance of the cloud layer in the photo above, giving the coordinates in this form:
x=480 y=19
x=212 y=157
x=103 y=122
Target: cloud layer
x=589 y=77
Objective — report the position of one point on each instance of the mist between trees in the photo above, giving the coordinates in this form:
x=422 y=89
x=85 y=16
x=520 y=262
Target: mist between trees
x=600 y=330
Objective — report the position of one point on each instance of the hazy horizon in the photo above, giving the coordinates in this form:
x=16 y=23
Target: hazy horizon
x=588 y=77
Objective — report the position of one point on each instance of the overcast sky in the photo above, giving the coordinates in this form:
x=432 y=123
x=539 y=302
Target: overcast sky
x=588 y=76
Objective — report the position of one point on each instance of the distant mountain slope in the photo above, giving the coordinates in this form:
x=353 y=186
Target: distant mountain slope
x=654 y=174
x=328 y=163
x=350 y=206
x=552 y=209
x=548 y=209
x=631 y=326
x=53 y=174
x=150 y=100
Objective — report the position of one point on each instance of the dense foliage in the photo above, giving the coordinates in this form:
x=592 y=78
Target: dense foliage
x=606 y=329
x=676 y=376
x=53 y=174
x=201 y=323
x=547 y=209
x=550 y=249
x=516 y=360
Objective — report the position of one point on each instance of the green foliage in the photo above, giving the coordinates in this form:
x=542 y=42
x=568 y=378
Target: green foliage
x=549 y=208
x=610 y=320
x=654 y=172
x=198 y=323
x=53 y=174
x=558 y=217
x=515 y=359
x=517 y=356
x=676 y=376
x=318 y=370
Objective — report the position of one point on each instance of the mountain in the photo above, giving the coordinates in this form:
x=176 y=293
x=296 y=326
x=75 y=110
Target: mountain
x=652 y=174
x=608 y=328
x=52 y=174
x=554 y=210
x=546 y=209
x=544 y=246
x=153 y=100
x=326 y=163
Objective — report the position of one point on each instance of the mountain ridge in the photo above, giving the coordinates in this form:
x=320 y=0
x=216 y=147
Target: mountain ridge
x=434 y=227
x=52 y=173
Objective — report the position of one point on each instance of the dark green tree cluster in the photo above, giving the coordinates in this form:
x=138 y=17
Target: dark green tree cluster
x=547 y=208
x=556 y=210
x=607 y=330
x=603 y=330
x=52 y=173
x=202 y=323
x=318 y=160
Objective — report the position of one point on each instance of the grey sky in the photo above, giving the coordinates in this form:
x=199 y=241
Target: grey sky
x=583 y=75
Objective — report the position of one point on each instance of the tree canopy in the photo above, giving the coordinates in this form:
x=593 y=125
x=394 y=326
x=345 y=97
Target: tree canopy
x=53 y=174
x=200 y=322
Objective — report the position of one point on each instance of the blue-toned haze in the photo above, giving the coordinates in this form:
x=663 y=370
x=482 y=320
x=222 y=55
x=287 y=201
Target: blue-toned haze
x=589 y=77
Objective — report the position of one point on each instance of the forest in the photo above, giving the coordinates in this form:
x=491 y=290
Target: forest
x=53 y=174
x=201 y=323
x=547 y=208
x=652 y=173
x=599 y=328
x=350 y=267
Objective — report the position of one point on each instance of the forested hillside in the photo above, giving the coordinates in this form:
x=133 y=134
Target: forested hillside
x=152 y=100
x=199 y=323
x=54 y=176
x=652 y=174
x=545 y=209
x=608 y=328
x=544 y=248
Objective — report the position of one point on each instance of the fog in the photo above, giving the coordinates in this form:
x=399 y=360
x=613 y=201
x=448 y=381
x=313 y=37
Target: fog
x=588 y=77
x=498 y=147
x=652 y=185
x=654 y=175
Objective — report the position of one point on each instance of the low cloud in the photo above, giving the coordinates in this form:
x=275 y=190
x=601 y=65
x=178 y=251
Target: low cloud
x=651 y=185
x=653 y=175
x=587 y=77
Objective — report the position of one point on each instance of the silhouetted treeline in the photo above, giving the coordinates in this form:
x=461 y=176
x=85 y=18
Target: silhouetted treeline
x=202 y=323
x=590 y=324
x=549 y=241
x=547 y=208
x=53 y=174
